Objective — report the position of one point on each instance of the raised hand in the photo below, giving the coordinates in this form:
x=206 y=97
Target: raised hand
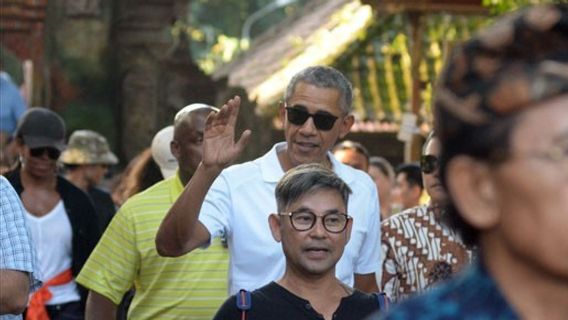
x=219 y=146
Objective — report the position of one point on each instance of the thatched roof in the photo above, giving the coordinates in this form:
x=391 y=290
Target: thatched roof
x=316 y=36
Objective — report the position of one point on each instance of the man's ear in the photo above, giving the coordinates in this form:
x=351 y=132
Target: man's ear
x=275 y=223
x=473 y=190
x=282 y=112
x=174 y=149
x=19 y=145
x=346 y=124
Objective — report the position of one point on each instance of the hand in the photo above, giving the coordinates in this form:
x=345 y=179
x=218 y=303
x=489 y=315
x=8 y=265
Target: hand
x=219 y=147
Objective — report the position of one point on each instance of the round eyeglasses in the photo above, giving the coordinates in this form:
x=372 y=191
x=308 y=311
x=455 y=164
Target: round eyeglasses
x=305 y=220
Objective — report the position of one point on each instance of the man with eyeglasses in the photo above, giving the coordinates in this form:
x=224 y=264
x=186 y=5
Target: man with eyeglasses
x=61 y=218
x=313 y=227
x=419 y=249
x=235 y=202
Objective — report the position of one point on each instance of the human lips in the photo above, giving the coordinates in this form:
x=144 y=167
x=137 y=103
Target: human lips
x=316 y=252
x=306 y=146
x=436 y=185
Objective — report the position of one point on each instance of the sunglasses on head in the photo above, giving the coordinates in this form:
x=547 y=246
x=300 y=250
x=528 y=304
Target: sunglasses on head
x=322 y=121
x=52 y=153
x=429 y=164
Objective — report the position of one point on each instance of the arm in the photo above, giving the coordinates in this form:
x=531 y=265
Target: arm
x=14 y=290
x=366 y=282
x=17 y=262
x=181 y=231
x=99 y=307
x=389 y=279
x=369 y=259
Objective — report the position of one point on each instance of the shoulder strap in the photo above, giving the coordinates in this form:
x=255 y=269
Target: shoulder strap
x=244 y=301
x=382 y=300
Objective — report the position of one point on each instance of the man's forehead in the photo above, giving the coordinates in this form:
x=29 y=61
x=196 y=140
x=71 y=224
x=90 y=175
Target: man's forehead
x=194 y=120
x=309 y=95
x=311 y=201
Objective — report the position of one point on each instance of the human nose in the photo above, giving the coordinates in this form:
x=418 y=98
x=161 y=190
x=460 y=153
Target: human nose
x=318 y=230
x=309 y=127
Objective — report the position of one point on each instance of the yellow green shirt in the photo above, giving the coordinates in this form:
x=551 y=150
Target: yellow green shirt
x=189 y=287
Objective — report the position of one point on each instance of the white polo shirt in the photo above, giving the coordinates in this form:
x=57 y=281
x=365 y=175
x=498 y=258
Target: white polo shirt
x=240 y=201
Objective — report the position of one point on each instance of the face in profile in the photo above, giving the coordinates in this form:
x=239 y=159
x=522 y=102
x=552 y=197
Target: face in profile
x=531 y=190
x=310 y=140
x=316 y=250
x=95 y=173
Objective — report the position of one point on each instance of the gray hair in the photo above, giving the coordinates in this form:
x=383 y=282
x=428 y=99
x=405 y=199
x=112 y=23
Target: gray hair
x=307 y=178
x=324 y=77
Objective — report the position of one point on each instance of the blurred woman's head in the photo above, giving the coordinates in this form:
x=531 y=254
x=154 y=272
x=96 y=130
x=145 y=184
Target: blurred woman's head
x=501 y=110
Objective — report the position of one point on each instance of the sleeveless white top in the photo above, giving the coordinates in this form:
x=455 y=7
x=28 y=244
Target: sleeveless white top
x=52 y=237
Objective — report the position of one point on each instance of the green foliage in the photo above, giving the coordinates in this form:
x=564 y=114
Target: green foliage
x=387 y=42
x=497 y=7
x=93 y=115
x=215 y=27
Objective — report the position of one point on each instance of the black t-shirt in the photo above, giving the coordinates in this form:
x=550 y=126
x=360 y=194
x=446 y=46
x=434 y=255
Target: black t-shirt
x=275 y=302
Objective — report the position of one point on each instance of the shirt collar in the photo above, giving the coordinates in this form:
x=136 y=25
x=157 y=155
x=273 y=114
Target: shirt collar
x=270 y=166
x=272 y=169
x=176 y=187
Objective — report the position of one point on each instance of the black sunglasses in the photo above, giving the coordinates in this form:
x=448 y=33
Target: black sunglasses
x=52 y=153
x=322 y=121
x=429 y=163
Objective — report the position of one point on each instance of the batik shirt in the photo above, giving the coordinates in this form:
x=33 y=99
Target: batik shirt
x=418 y=250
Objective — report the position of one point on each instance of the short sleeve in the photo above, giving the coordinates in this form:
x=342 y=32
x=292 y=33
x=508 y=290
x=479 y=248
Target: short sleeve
x=112 y=266
x=216 y=210
x=370 y=253
x=16 y=249
x=389 y=279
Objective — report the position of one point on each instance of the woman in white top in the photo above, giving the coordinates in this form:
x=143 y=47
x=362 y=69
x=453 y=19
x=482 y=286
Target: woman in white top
x=60 y=217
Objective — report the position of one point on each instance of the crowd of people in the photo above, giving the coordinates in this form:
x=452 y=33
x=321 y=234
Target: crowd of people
x=316 y=228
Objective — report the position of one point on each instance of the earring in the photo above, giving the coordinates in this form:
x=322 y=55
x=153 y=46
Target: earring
x=21 y=160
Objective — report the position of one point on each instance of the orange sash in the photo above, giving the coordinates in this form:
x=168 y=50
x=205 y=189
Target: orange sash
x=36 y=309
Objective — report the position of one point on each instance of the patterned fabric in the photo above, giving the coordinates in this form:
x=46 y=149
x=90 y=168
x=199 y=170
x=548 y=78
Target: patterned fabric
x=473 y=295
x=520 y=60
x=88 y=147
x=16 y=251
x=418 y=250
x=191 y=287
